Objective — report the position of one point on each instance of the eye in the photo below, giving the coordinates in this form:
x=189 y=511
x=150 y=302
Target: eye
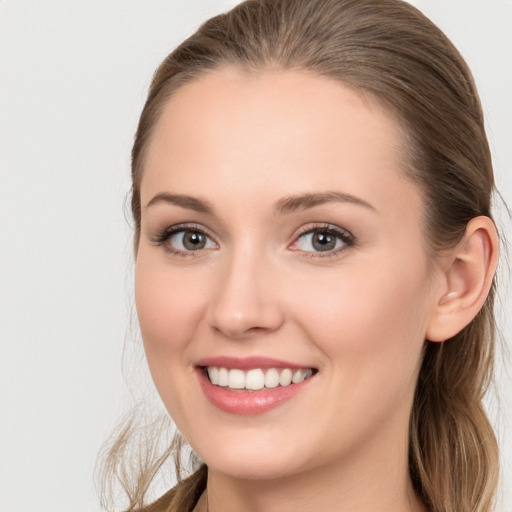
x=190 y=240
x=323 y=240
x=182 y=240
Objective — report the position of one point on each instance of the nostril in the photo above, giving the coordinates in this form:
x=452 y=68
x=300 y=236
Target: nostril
x=240 y=332
x=244 y=304
x=239 y=325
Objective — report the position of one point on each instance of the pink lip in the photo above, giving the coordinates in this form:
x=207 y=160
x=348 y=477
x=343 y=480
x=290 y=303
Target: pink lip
x=247 y=363
x=244 y=402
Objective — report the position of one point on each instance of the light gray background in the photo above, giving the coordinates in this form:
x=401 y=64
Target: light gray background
x=73 y=76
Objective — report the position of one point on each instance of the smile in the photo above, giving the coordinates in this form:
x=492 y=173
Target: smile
x=252 y=385
x=256 y=378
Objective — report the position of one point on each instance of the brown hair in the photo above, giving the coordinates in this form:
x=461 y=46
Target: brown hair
x=389 y=49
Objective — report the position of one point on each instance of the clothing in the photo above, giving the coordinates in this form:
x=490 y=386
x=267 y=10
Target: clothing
x=183 y=497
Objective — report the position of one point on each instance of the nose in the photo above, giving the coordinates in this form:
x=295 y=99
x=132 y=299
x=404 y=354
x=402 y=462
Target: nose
x=245 y=302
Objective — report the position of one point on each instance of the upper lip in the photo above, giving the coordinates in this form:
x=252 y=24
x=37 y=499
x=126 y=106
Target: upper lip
x=248 y=363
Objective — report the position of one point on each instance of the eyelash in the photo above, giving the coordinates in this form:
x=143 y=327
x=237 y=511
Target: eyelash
x=345 y=236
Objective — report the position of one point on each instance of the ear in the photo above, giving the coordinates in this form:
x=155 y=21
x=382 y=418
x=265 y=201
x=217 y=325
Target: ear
x=466 y=278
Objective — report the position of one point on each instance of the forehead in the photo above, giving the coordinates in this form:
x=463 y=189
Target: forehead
x=280 y=132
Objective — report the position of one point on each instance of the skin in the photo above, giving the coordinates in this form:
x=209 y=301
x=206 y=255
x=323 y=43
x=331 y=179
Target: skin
x=244 y=143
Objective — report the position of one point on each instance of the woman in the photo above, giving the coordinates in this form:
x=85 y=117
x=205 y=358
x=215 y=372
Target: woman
x=315 y=258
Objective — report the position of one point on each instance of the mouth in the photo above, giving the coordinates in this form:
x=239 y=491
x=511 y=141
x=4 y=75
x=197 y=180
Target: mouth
x=255 y=379
x=252 y=385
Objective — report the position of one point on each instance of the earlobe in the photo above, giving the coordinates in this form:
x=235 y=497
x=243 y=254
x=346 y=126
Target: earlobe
x=466 y=280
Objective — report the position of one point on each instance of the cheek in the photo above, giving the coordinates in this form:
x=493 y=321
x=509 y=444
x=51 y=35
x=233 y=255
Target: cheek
x=168 y=308
x=169 y=311
x=371 y=323
x=370 y=331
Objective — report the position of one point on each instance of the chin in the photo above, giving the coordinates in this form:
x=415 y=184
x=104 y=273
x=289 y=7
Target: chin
x=261 y=469
x=254 y=458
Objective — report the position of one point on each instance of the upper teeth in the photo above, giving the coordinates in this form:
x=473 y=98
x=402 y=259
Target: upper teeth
x=257 y=378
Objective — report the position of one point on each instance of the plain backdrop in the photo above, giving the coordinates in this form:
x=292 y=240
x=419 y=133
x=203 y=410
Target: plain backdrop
x=73 y=77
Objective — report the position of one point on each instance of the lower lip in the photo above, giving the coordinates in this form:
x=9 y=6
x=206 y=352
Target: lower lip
x=249 y=403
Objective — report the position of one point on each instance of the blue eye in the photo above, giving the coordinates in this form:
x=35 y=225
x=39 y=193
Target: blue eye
x=323 y=240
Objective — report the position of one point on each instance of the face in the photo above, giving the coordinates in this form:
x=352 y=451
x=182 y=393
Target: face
x=281 y=241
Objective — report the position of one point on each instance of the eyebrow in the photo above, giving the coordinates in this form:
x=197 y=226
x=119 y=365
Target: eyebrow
x=304 y=201
x=189 y=202
x=285 y=205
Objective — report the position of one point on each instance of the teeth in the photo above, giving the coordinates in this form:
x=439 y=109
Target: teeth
x=301 y=375
x=223 y=377
x=298 y=376
x=236 y=379
x=213 y=373
x=285 y=379
x=256 y=378
x=272 y=378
